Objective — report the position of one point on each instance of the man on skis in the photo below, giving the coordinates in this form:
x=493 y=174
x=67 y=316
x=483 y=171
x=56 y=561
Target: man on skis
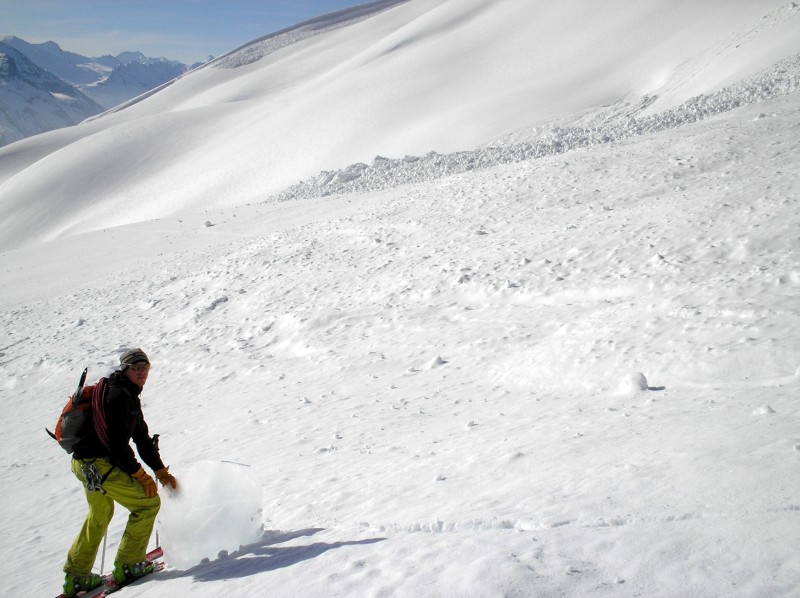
x=104 y=462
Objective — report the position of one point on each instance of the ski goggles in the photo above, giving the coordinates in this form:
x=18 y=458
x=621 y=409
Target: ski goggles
x=139 y=367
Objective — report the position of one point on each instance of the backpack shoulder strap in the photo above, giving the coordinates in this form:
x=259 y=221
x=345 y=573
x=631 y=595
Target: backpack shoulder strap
x=98 y=411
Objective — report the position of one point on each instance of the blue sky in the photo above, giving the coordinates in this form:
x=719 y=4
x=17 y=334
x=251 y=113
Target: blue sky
x=185 y=30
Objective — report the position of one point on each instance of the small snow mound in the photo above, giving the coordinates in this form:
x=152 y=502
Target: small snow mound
x=633 y=383
x=436 y=362
x=764 y=410
x=515 y=456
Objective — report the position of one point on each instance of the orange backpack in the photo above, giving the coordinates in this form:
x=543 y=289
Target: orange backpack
x=75 y=414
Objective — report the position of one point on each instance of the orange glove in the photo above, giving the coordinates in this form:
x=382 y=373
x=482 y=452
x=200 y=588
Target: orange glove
x=150 y=488
x=166 y=478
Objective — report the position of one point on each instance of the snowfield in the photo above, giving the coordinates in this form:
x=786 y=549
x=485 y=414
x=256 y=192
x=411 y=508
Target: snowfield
x=564 y=361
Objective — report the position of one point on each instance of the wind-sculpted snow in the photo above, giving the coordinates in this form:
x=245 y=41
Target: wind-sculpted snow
x=781 y=79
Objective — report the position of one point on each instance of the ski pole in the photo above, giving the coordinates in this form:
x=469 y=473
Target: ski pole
x=103 y=559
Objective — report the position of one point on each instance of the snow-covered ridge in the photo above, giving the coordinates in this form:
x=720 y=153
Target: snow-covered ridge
x=780 y=79
x=256 y=50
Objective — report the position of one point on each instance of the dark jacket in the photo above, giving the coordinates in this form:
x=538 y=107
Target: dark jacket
x=125 y=421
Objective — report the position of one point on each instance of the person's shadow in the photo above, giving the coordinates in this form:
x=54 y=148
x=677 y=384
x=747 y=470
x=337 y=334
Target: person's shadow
x=261 y=557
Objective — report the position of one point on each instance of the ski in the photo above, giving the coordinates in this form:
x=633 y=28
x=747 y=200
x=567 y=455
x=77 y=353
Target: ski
x=95 y=593
x=112 y=586
x=109 y=586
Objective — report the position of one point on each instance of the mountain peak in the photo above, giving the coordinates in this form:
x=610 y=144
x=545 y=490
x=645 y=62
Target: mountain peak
x=58 y=88
x=128 y=57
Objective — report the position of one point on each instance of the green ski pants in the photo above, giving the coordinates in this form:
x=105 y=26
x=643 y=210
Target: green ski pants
x=129 y=493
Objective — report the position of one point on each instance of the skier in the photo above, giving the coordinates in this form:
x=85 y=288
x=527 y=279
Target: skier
x=106 y=466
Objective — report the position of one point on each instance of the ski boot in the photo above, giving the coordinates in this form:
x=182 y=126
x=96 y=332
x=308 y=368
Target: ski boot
x=80 y=583
x=124 y=573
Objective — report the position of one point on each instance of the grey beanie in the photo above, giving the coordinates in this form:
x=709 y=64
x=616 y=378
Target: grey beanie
x=132 y=356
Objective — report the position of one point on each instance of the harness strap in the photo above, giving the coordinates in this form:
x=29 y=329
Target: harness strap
x=94 y=481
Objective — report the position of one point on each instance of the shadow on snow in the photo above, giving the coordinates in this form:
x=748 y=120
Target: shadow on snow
x=262 y=556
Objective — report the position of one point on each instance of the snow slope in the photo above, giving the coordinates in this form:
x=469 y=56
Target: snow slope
x=434 y=383
x=574 y=373
x=357 y=91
